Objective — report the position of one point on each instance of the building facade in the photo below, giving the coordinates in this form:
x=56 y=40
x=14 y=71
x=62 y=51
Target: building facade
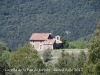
x=42 y=41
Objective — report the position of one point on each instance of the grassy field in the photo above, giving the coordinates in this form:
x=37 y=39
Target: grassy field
x=56 y=53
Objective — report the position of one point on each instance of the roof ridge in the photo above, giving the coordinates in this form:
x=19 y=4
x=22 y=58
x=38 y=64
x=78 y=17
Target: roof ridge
x=41 y=33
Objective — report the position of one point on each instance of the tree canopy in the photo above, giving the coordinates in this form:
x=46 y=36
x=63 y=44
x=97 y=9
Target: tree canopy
x=4 y=57
x=71 y=19
x=26 y=58
x=92 y=64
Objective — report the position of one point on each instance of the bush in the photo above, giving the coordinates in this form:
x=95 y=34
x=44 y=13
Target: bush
x=47 y=55
x=79 y=44
x=65 y=44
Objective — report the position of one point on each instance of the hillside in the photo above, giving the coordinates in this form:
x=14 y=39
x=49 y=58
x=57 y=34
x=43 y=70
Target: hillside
x=71 y=19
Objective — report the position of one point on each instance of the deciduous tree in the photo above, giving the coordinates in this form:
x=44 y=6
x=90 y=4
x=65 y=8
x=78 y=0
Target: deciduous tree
x=4 y=57
x=26 y=58
x=65 y=43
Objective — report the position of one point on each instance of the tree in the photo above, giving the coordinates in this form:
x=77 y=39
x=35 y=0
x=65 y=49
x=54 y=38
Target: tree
x=72 y=62
x=92 y=64
x=26 y=57
x=65 y=61
x=4 y=57
x=79 y=63
x=47 y=55
x=65 y=43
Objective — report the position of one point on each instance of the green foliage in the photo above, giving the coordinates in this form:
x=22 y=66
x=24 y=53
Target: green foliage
x=3 y=47
x=26 y=57
x=72 y=62
x=4 y=57
x=81 y=59
x=3 y=66
x=79 y=62
x=65 y=61
x=92 y=64
x=78 y=44
x=68 y=18
x=65 y=44
x=47 y=55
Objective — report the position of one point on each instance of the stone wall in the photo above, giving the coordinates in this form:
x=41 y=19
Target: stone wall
x=40 y=46
x=50 y=46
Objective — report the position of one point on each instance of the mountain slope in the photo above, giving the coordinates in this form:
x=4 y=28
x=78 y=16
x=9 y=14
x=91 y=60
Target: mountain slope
x=68 y=18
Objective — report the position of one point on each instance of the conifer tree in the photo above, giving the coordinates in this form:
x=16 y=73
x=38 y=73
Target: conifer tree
x=92 y=64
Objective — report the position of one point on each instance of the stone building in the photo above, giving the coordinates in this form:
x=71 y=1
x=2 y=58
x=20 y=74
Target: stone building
x=42 y=41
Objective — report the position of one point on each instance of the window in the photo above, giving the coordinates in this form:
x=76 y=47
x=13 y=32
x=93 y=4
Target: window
x=57 y=38
x=40 y=46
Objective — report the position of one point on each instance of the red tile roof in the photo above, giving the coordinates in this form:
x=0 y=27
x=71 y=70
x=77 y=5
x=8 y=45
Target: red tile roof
x=40 y=36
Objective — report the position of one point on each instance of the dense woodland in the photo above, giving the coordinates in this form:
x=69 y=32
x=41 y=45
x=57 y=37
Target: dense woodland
x=27 y=61
x=71 y=19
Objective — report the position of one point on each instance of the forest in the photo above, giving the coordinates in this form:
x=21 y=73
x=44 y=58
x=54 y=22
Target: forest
x=27 y=61
x=71 y=19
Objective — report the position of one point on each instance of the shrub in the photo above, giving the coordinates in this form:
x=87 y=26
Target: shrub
x=47 y=55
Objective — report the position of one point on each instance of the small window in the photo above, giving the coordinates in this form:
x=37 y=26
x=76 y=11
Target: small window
x=40 y=46
x=57 y=38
